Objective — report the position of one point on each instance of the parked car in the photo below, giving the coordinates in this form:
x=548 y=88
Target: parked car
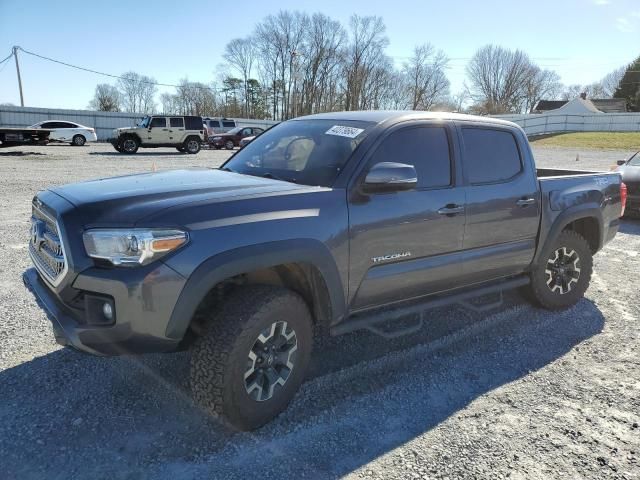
x=67 y=132
x=232 y=138
x=184 y=132
x=342 y=221
x=630 y=171
x=218 y=125
x=246 y=141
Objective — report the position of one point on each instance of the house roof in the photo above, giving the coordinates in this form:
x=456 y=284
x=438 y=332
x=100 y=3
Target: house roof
x=545 y=105
x=606 y=105
x=610 y=105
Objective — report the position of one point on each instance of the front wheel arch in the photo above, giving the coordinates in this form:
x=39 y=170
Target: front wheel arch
x=325 y=295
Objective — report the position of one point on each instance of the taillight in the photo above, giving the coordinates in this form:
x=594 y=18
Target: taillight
x=623 y=197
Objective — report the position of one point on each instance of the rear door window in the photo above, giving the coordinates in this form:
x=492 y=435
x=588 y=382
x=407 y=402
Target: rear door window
x=490 y=156
x=176 y=122
x=426 y=148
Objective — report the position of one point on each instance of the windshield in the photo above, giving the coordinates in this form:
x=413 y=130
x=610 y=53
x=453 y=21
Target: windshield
x=309 y=152
x=144 y=122
x=233 y=131
x=634 y=161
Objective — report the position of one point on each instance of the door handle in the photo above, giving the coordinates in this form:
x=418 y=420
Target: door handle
x=525 y=202
x=451 y=210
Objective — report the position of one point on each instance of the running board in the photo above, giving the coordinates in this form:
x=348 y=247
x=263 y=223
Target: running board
x=371 y=322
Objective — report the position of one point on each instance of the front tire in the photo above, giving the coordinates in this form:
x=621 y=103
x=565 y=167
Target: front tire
x=229 y=145
x=252 y=358
x=563 y=273
x=78 y=140
x=129 y=145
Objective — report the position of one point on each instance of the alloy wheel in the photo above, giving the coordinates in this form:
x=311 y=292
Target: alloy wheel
x=563 y=270
x=270 y=361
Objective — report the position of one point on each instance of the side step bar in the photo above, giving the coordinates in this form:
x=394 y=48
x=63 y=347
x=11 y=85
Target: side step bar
x=370 y=321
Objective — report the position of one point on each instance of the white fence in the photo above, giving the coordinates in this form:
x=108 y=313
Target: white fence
x=103 y=122
x=543 y=124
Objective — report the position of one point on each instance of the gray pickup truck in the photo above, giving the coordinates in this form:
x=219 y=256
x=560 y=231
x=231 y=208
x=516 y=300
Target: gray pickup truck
x=326 y=223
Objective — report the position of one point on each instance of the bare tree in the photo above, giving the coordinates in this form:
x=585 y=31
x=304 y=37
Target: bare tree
x=240 y=54
x=497 y=76
x=365 y=52
x=539 y=84
x=137 y=92
x=425 y=76
x=609 y=83
x=105 y=99
x=572 y=91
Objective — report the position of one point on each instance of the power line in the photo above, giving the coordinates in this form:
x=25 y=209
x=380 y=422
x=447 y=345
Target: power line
x=110 y=74
x=6 y=58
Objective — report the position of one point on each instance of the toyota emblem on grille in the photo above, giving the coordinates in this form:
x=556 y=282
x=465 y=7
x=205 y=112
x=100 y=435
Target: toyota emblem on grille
x=37 y=233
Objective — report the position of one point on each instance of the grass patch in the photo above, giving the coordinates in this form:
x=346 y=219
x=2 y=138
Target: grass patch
x=594 y=140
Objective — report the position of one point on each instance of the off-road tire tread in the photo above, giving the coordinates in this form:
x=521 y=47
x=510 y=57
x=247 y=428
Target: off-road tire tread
x=539 y=293
x=224 y=328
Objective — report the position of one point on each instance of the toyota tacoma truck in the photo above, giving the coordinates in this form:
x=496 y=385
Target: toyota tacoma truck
x=326 y=223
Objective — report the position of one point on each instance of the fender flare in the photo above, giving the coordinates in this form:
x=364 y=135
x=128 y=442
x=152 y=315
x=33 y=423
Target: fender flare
x=245 y=259
x=568 y=216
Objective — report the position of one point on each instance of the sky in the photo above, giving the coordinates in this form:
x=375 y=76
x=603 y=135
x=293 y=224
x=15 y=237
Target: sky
x=582 y=40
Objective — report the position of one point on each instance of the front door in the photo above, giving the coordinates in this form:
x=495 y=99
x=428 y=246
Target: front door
x=407 y=244
x=158 y=132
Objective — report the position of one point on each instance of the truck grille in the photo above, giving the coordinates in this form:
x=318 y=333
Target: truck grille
x=45 y=247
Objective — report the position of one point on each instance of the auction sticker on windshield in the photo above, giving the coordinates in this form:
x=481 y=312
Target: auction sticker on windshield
x=342 y=131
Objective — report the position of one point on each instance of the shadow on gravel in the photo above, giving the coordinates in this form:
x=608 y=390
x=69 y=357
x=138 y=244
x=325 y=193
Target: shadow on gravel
x=630 y=226
x=141 y=154
x=66 y=415
x=19 y=154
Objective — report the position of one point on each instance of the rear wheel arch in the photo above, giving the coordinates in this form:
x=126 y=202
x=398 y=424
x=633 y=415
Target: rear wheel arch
x=305 y=268
x=584 y=219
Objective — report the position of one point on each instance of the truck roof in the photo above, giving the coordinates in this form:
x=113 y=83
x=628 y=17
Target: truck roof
x=379 y=116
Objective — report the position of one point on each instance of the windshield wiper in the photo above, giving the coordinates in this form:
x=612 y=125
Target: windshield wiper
x=276 y=177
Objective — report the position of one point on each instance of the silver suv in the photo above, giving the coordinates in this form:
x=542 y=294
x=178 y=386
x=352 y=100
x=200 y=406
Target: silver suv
x=185 y=133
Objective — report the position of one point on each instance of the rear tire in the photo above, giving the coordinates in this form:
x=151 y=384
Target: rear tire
x=192 y=145
x=78 y=140
x=252 y=358
x=563 y=273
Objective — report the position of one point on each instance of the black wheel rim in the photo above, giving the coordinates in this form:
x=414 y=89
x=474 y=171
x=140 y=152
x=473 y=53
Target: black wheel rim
x=562 y=270
x=129 y=145
x=270 y=361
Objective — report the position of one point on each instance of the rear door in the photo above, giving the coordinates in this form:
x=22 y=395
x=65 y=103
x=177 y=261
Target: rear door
x=407 y=244
x=502 y=209
x=176 y=129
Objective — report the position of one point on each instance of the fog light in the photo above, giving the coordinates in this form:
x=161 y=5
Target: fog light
x=107 y=311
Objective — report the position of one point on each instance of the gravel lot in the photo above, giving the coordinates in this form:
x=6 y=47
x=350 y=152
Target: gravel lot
x=517 y=393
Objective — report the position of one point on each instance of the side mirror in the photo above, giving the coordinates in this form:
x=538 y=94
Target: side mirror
x=621 y=162
x=385 y=177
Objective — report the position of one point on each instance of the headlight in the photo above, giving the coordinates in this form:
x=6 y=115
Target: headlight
x=132 y=247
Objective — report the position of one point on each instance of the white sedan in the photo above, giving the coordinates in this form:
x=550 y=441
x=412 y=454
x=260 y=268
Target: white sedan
x=68 y=132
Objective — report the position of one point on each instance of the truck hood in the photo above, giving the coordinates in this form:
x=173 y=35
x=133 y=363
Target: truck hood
x=122 y=201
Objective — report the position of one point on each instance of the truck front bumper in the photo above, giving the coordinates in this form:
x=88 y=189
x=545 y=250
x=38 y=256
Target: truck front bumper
x=138 y=326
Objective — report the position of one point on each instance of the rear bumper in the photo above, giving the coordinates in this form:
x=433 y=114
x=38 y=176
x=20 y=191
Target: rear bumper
x=131 y=333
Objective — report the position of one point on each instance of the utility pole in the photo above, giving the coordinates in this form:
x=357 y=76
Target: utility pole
x=15 y=56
